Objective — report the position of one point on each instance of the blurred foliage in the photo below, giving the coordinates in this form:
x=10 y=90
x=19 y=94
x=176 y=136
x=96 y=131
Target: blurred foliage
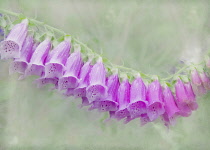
x=151 y=36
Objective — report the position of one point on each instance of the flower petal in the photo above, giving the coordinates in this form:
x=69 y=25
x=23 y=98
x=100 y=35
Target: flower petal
x=37 y=62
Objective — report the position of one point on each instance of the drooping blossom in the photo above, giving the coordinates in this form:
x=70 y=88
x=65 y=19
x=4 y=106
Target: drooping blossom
x=97 y=89
x=197 y=84
x=110 y=101
x=138 y=103
x=123 y=100
x=37 y=62
x=11 y=46
x=191 y=96
x=80 y=91
x=196 y=78
x=70 y=79
x=185 y=98
x=55 y=64
x=171 y=109
x=205 y=80
x=20 y=64
x=155 y=99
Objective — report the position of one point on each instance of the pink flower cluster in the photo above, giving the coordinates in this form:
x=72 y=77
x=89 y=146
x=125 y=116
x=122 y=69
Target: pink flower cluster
x=122 y=99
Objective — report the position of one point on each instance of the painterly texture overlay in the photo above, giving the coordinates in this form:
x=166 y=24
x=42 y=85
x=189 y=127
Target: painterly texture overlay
x=16 y=137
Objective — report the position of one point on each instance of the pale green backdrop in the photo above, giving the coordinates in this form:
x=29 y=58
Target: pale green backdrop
x=151 y=36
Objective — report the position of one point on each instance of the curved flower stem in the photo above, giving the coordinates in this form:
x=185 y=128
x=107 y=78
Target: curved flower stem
x=108 y=64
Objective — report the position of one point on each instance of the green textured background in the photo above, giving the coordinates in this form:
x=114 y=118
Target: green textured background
x=151 y=36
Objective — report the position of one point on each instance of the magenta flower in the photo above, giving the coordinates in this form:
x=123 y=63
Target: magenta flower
x=171 y=109
x=197 y=85
x=80 y=91
x=55 y=65
x=37 y=62
x=205 y=80
x=97 y=89
x=191 y=96
x=185 y=98
x=20 y=64
x=196 y=78
x=110 y=102
x=11 y=46
x=123 y=100
x=70 y=79
x=155 y=99
x=138 y=103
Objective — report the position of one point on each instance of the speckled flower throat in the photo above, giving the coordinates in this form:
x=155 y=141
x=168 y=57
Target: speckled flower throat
x=76 y=71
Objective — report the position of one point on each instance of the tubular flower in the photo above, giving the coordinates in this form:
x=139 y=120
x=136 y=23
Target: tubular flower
x=171 y=109
x=80 y=91
x=138 y=103
x=97 y=89
x=197 y=85
x=155 y=99
x=196 y=78
x=20 y=64
x=185 y=98
x=205 y=80
x=191 y=96
x=55 y=65
x=123 y=100
x=11 y=46
x=110 y=102
x=70 y=79
x=37 y=62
